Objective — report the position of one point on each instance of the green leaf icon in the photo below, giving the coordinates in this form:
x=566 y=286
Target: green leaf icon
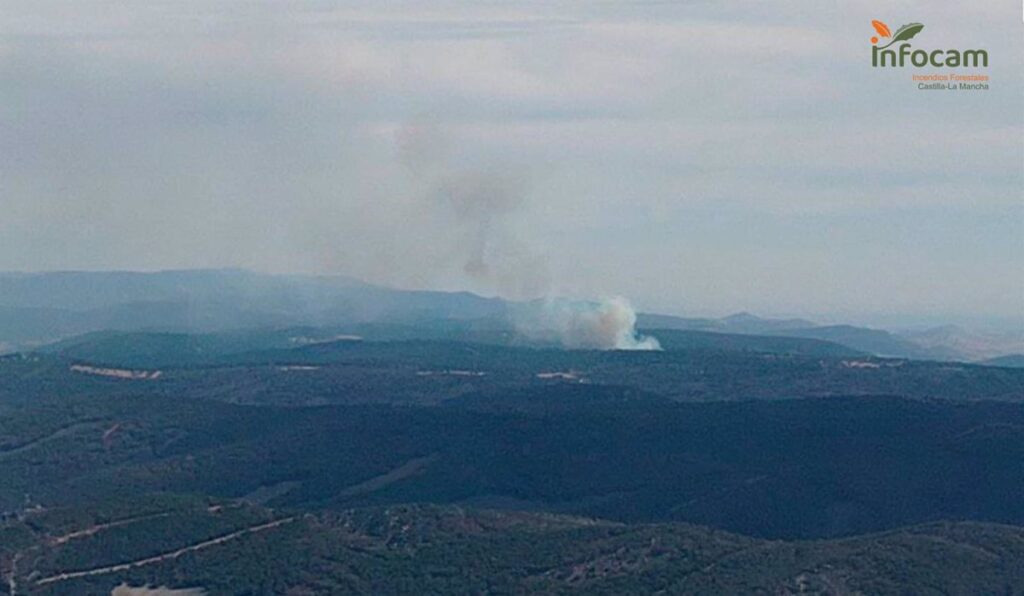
x=907 y=31
x=904 y=33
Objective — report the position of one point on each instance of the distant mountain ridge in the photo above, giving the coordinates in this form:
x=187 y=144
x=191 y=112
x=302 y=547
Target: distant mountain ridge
x=967 y=344
x=873 y=341
x=39 y=308
x=149 y=349
x=744 y=323
x=1011 y=360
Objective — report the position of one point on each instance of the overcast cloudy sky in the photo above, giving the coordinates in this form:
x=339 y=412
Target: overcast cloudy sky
x=696 y=157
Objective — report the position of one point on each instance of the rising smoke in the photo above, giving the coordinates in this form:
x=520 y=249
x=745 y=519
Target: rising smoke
x=474 y=208
x=478 y=204
x=606 y=325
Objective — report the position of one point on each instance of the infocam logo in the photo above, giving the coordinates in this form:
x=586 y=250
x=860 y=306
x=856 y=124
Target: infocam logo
x=905 y=55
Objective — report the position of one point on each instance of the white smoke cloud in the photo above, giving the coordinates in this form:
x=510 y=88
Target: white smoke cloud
x=606 y=325
x=473 y=207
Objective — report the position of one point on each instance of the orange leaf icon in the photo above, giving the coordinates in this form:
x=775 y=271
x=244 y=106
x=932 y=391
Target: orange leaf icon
x=882 y=28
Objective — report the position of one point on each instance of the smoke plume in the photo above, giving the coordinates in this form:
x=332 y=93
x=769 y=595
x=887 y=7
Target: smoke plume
x=606 y=325
x=475 y=206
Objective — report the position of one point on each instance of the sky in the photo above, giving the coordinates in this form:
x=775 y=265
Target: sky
x=698 y=158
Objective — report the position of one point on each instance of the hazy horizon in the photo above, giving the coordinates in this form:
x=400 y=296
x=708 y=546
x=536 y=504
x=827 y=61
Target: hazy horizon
x=888 y=321
x=698 y=159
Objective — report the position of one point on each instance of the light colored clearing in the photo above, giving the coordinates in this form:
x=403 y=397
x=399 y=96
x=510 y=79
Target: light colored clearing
x=409 y=468
x=453 y=373
x=117 y=373
x=126 y=590
x=297 y=367
x=870 y=364
x=164 y=557
x=860 y=364
x=264 y=494
x=309 y=341
x=568 y=376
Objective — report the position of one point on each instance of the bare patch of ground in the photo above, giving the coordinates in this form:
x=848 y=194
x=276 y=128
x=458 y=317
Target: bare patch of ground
x=453 y=373
x=309 y=341
x=562 y=375
x=117 y=373
x=126 y=590
x=264 y=494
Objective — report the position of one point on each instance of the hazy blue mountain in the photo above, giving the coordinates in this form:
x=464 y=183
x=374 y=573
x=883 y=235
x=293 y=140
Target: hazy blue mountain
x=37 y=308
x=872 y=341
x=969 y=344
x=1012 y=360
x=673 y=339
x=742 y=323
x=747 y=323
x=202 y=298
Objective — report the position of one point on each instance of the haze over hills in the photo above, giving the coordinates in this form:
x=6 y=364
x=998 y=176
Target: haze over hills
x=571 y=298
x=872 y=341
x=40 y=308
x=970 y=345
x=1014 y=360
x=228 y=432
x=744 y=323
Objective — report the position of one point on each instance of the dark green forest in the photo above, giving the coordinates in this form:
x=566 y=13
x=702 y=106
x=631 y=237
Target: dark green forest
x=243 y=464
